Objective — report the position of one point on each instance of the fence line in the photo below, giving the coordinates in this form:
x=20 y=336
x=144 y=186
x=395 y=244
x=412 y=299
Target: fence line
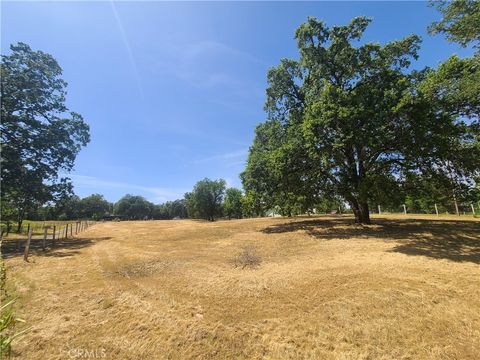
x=469 y=209
x=50 y=232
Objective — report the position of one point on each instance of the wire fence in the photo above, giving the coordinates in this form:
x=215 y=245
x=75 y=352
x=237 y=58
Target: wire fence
x=469 y=209
x=43 y=235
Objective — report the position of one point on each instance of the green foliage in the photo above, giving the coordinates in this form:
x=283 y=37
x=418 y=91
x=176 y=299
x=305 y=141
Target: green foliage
x=455 y=86
x=133 y=207
x=277 y=172
x=170 y=210
x=190 y=205
x=350 y=120
x=459 y=22
x=67 y=208
x=71 y=207
x=8 y=320
x=252 y=205
x=205 y=200
x=94 y=207
x=232 y=204
x=327 y=205
x=39 y=136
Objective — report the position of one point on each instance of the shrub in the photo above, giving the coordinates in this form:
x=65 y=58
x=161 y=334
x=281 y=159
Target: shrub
x=248 y=257
x=8 y=321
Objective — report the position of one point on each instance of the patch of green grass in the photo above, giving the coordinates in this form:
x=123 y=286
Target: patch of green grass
x=8 y=318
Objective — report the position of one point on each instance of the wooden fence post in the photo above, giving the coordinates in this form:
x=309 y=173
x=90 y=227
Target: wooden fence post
x=457 y=211
x=19 y=241
x=53 y=236
x=27 y=245
x=44 y=241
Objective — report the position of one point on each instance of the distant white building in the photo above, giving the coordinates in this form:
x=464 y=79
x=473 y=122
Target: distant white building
x=275 y=212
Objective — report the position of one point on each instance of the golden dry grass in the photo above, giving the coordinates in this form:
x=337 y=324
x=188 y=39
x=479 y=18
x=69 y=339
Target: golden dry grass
x=403 y=288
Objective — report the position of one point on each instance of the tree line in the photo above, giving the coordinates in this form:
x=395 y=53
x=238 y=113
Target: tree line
x=209 y=200
x=40 y=139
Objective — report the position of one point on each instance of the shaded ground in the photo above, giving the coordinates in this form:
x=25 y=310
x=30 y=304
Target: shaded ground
x=438 y=239
x=325 y=289
x=61 y=248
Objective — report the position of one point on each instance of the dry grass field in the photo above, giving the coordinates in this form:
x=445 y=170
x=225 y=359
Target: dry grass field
x=403 y=288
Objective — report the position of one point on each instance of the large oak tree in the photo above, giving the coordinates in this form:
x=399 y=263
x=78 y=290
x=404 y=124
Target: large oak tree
x=40 y=137
x=349 y=119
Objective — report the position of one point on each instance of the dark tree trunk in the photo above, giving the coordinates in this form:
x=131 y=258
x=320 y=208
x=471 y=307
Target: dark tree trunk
x=361 y=212
x=364 y=213
x=19 y=226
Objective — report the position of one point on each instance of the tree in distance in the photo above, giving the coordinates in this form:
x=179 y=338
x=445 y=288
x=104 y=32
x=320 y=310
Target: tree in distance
x=94 y=207
x=232 y=204
x=170 y=210
x=205 y=200
x=133 y=207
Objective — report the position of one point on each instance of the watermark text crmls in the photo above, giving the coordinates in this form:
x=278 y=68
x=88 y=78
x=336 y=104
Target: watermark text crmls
x=87 y=353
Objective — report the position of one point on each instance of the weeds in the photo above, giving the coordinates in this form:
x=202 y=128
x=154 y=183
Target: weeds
x=247 y=258
x=8 y=320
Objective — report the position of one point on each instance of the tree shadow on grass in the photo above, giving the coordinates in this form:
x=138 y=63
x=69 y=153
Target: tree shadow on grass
x=62 y=248
x=456 y=240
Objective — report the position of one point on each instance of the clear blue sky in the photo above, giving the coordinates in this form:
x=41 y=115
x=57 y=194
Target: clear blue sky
x=173 y=91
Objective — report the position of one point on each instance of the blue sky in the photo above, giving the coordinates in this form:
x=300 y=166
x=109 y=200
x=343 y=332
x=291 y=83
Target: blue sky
x=173 y=91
